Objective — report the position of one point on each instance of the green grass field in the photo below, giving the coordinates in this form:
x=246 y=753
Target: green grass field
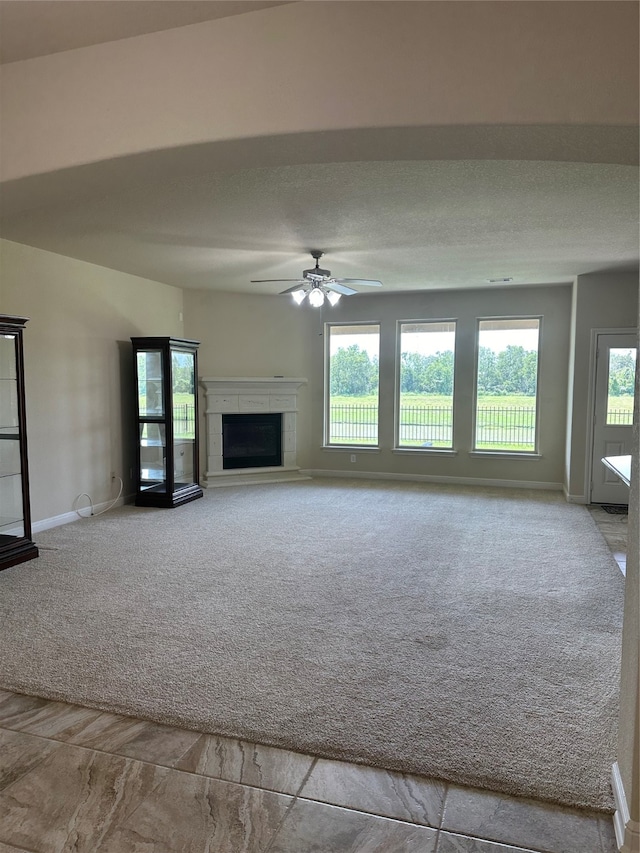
x=503 y=423
x=623 y=403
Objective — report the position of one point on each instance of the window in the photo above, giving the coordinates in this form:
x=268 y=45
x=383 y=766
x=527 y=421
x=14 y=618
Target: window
x=620 y=390
x=425 y=399
x=352 y=384
x=507 y=385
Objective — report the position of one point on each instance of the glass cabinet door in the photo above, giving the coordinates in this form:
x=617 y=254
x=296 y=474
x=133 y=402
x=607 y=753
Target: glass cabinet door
x=153 y=456
x=11 y=503
x=183 y=380
x=152 y=431
x=150 y=384
x=15 y=518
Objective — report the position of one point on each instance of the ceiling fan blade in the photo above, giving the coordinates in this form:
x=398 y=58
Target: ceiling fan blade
x=275 y=280
x=368 y=282
x=298 y=286
x=339 y=288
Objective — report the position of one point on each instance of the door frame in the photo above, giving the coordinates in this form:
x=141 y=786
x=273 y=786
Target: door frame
x=591 y=399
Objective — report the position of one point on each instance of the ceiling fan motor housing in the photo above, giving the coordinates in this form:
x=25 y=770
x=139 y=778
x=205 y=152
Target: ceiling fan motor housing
x=316 y=271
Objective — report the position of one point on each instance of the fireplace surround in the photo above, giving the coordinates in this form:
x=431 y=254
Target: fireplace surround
x=250 y=396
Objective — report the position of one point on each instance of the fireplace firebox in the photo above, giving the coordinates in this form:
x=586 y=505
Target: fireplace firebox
x=251 y=440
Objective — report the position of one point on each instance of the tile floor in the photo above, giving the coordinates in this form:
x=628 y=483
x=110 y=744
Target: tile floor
x=76 y=779
x=614 y=529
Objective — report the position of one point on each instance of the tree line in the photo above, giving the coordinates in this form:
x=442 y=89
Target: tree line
x=622 y=374
x=512 y=371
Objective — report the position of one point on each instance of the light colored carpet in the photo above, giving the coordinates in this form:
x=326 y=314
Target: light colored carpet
x=471 y=635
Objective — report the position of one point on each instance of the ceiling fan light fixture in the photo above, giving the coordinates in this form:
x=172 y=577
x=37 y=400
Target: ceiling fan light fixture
x=319 y=285
x=316 y=297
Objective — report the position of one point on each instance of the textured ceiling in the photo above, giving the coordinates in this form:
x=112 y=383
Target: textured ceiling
x=411 y=224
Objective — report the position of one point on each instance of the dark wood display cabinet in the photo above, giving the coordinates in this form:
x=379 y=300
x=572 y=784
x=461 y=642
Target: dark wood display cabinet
x=16 y=545
x=166 y=371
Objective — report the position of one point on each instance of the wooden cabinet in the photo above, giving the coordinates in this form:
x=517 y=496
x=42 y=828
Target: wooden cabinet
x=166 y=371
x=16 y=545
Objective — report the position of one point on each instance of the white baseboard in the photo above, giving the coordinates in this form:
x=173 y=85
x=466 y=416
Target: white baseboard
x=575 y=499
x=627 y=830
x=84 y=512
x=433 y=478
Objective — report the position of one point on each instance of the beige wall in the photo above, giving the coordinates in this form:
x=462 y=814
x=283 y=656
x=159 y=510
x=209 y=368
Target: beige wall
x=254 y=336
x=78 y=368
x=526 y=63
x=601 y=301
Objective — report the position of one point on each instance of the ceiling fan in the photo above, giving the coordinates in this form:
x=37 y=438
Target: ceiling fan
x=319 y=284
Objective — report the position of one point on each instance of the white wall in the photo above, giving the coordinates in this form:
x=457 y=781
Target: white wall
x=79 y=369
x=601 y=301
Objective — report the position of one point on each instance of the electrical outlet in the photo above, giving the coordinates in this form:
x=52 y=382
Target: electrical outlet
x=353 y=457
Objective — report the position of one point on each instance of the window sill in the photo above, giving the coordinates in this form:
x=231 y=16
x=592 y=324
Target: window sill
x=505 y=454
x=427 y=451
x=350 y=448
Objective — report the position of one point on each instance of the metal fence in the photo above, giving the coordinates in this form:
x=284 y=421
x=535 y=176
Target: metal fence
x=353 y=422
x=496 y=426
x=184 y=425
x=426 y=425
x=506 y=426
x=619 y=417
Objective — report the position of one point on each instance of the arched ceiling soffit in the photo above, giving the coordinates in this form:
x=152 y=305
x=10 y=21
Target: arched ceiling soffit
x=553 y=143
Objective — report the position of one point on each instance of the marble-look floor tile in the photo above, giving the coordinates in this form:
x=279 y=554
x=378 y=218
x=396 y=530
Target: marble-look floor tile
x=608 y=835
x=71 y=801
x=318 y=828
x=20 y=753
x=56 y=720
x=380 y=792
x=197 y=814
x=522 y=823
x=247 y=763
x=451 y=843
x=134 y=738
x=7 y=848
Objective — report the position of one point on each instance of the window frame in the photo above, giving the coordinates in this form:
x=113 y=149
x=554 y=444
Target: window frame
x=518 y=454
x=326 y=442
x=402 y=448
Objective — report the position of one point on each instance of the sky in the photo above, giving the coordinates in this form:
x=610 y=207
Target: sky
x=429 y=344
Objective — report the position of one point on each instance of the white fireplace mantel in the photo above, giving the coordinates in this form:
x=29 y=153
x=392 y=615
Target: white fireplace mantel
x=251 y=395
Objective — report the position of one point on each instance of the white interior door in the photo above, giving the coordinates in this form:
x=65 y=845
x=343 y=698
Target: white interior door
x=613 y=413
